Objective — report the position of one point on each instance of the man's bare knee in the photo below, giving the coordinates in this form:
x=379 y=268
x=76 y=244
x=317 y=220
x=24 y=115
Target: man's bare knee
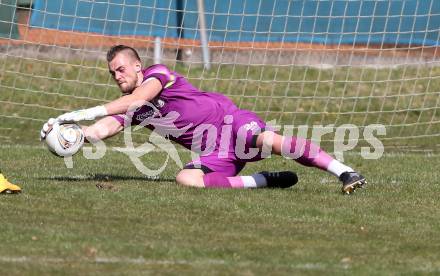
x=190 y=177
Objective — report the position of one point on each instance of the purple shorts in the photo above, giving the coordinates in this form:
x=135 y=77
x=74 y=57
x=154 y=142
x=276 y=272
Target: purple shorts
x=230 y=154
x=246 y=126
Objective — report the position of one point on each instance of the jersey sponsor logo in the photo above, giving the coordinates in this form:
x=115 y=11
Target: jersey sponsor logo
x=145 y=115
x=158 y=103
x=152 y=111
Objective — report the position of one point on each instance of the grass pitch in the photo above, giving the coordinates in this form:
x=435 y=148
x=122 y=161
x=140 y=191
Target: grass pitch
x=104 y=217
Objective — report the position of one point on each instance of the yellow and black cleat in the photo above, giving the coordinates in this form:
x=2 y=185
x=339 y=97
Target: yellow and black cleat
x=351 y=181
x=7 y=187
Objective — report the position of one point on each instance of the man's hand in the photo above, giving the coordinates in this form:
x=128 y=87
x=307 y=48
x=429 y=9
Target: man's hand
x=46 y=127
x=74 y=116
x=83 y=114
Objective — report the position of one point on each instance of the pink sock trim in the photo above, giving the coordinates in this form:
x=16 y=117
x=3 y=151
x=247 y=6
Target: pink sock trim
x=236 y=182
x=306 y=153
x=323 y=160
x=216 y=180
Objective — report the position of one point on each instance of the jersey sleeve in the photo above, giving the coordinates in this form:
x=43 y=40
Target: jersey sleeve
x=162 y=73
x=120 y=118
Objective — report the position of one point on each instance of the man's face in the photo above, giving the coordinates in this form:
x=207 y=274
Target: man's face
x=124 y=70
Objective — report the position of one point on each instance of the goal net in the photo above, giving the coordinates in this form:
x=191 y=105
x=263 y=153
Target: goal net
x=293 y=62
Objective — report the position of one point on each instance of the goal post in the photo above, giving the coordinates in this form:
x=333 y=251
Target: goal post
x=296 y=63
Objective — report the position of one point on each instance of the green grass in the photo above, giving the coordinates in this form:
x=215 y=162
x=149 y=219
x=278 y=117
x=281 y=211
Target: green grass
x=104 y=217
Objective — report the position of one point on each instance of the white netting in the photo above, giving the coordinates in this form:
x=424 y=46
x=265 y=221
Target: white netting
x=297 y=62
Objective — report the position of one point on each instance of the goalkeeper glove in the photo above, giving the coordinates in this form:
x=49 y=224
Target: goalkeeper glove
x=83 y=114
x=46 y=127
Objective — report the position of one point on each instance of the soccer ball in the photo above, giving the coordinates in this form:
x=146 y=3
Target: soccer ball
x=64 y=139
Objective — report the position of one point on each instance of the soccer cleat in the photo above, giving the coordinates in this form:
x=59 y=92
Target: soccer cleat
x=7 y=187
x=283 y=179
x=351 y=181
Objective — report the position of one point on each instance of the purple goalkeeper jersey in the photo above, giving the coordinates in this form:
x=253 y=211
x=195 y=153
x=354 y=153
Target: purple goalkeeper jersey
x=182 y=108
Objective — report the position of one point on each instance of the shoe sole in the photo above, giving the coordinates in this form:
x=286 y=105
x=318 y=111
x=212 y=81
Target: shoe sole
x=10 y=192
x=350 y=188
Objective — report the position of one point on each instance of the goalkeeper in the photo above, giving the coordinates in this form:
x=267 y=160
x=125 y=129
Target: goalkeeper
x=153 y=91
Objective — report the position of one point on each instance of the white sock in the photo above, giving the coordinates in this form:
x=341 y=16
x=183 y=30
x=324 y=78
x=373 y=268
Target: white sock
x=254 y=181
x=337 y=168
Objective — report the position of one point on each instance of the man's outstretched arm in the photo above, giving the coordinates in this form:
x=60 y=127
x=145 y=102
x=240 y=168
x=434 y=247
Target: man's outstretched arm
x=146 y=92
x=102 y=129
